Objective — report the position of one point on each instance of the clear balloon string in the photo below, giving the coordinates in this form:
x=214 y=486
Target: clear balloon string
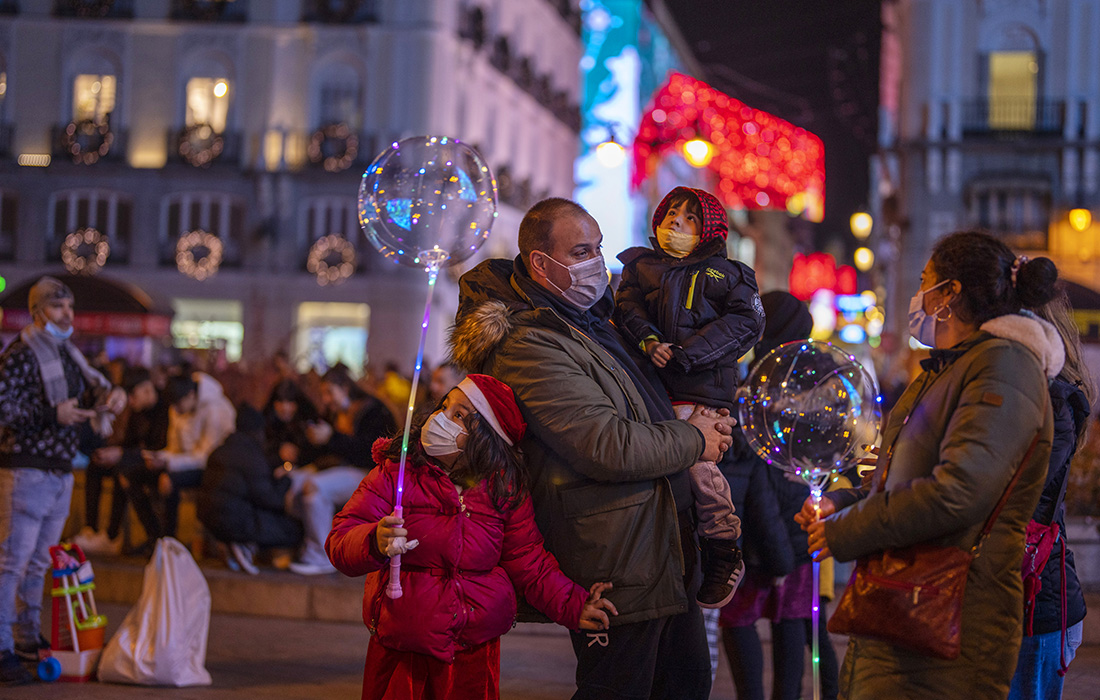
x=394 y=587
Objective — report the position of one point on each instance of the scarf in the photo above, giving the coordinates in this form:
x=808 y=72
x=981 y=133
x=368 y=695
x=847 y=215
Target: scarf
x=47 y=351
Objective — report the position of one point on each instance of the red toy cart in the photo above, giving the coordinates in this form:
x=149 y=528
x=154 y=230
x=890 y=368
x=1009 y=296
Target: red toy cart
x=76 y=635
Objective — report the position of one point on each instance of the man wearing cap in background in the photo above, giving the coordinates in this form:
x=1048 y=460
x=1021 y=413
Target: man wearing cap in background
x=47 y=388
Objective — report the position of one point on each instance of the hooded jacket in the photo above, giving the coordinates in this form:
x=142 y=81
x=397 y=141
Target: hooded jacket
x=459 y=584
x=598 y=466
x=1071 y=411
x=193 y=436
x=959 y=432
x=707 y=306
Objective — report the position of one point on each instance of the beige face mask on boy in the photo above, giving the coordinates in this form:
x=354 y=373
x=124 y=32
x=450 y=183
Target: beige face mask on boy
x=676 y=243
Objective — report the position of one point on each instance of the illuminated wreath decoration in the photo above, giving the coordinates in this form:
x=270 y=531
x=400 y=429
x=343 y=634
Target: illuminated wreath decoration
x=199 y=254
x=332 y=258
x=87 y=141
x=84 y=251
x=335 y=146
x=200 y=144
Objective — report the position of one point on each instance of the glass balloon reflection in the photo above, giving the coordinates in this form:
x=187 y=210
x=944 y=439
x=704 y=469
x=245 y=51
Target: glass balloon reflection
x=807 y=407
x=427 y=201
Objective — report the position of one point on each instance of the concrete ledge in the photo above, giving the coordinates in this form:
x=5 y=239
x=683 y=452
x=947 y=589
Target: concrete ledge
x=331 y=598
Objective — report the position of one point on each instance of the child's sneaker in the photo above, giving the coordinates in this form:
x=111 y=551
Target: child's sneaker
x=722 y=572
x=12 y=671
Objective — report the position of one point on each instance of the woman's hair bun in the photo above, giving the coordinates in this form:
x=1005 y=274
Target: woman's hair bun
x=1035 y=282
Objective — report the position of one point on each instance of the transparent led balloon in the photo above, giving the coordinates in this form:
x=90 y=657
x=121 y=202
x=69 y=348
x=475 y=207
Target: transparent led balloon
x=808 y=407
x=427 y=201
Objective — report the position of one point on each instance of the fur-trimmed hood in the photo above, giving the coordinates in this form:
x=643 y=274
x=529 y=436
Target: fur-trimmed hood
x=1037 y=335
x=477 y=334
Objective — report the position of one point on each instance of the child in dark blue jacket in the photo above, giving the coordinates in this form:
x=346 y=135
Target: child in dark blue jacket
x=694 y=313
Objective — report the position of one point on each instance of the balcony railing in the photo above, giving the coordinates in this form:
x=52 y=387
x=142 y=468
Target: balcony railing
x=88 y=143
x=1013 y=116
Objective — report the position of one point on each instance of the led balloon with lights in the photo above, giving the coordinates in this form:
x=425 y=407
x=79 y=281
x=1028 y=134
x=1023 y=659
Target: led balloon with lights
x=808 y=408
x=426 y=202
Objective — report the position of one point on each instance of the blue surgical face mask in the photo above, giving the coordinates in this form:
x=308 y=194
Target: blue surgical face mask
x=921 y=325
x=56 y=332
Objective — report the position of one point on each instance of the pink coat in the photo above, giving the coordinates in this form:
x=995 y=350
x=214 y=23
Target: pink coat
x=460 y=583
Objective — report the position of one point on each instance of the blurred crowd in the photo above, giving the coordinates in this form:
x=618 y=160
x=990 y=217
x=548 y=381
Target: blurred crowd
x=269 y=454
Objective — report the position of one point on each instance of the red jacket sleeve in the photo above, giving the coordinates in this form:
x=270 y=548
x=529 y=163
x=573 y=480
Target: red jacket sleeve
x=535 y=572
x=351 y=545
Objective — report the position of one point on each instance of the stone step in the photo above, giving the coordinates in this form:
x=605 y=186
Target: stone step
x=271 y=593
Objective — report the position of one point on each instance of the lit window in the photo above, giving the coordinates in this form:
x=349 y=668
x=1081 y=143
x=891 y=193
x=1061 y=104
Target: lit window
x=93 y=98
x=208 y=102
x=1013 y=76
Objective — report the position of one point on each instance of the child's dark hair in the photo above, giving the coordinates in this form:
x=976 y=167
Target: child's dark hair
x=685 y=195
x=486 y=457
x=983 y=265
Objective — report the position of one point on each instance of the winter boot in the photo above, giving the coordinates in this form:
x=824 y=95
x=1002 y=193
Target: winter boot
x=722 y=572
x=12 y=671
x=33 y=652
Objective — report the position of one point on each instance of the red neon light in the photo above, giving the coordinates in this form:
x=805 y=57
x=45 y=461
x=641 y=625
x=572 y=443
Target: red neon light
x=815 y=271
x=762 y=161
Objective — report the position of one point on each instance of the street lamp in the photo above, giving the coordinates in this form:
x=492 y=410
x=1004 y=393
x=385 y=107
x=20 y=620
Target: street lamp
x=610 y=153
x=861 y=223
x=1080 y=219
x=698 y=152
x=864 y=259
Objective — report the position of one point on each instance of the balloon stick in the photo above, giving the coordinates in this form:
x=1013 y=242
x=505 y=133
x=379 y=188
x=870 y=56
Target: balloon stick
x=815 y=614
x=393 y=590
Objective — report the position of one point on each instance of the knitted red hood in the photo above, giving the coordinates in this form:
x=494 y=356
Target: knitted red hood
x=714 y=214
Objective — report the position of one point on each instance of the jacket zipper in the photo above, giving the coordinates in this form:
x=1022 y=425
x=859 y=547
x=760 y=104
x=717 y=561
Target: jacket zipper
x=691 y=290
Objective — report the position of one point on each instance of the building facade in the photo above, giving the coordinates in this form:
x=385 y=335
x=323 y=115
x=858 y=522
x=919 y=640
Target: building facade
x=989 y=118
x=253 y=121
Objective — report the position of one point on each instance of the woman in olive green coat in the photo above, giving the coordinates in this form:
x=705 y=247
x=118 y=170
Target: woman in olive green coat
x=958 y=433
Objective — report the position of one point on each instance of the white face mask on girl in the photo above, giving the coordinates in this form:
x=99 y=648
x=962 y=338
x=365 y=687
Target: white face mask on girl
x=587 y=282
x=921 y=325
x=439 y=435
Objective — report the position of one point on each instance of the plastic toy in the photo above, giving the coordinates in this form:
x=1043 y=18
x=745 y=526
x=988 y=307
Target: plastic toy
x=76 y=636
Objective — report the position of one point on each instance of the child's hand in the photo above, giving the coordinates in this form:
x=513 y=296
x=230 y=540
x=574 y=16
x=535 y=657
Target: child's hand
x=659 y=353
x=596 y=608
x=392 y=538
x=808 y=516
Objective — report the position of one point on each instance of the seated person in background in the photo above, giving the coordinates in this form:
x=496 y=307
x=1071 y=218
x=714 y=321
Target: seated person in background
x=353 y=421
x=241 y=500
x=144 y=426
x=444 y=378
x=287 y=414
x=200 y=417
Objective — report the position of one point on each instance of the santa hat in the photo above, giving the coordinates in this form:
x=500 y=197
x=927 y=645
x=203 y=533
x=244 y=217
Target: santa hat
x=496 y=403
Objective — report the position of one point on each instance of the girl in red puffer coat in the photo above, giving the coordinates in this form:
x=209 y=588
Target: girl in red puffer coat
x=464 y=500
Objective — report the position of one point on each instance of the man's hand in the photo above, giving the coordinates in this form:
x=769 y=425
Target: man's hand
x=68 y=413
x=107 y=456
x=391 y=538
x=115 y=402
x=596 y=608
x=154 y=460
x=659 y=353
x=717 y=429
x=319 y=432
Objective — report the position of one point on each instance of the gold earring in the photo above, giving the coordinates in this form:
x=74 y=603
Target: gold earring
x=949 y=313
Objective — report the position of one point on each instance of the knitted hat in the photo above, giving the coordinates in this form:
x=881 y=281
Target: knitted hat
x=496 y=403
x=788 y=319
x=714 y=223
x=45 y=290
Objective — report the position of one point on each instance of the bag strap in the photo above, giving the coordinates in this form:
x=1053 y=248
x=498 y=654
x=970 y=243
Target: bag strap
x=1008 y=491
